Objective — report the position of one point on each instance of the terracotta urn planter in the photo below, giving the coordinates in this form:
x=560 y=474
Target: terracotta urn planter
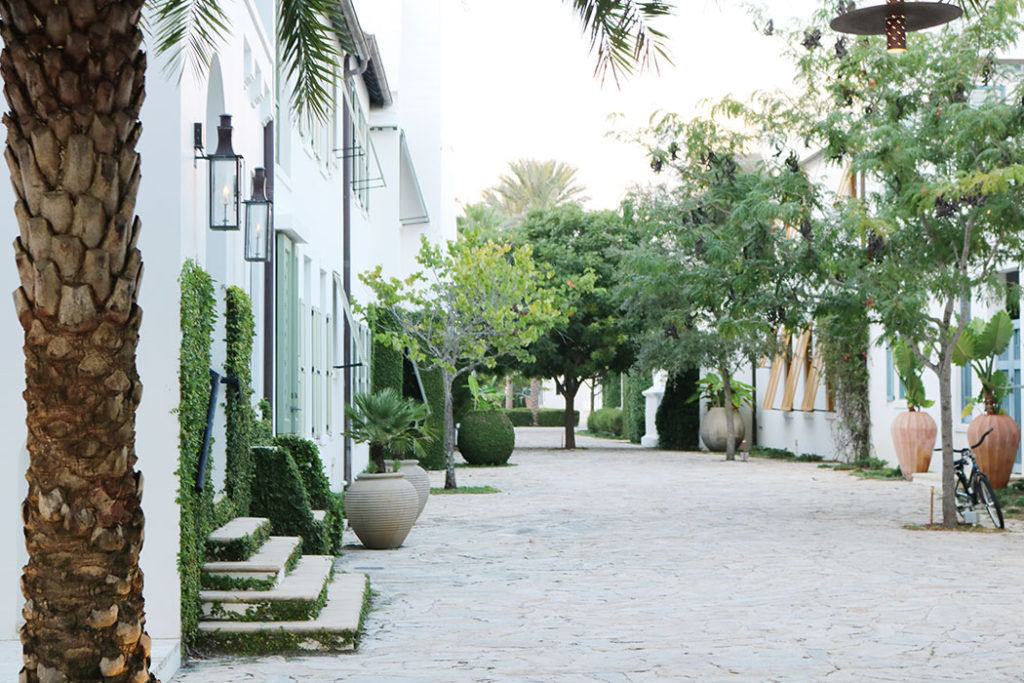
x=999 y=450
x=417 y=476
x=713 y=429
x=913 y=436
x=381 y=509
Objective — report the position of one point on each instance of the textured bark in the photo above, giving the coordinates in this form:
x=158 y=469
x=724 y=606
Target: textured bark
x=73 y=76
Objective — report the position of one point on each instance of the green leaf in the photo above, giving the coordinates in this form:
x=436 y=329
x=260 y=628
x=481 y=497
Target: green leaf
x=997 y=335
x=963 y=351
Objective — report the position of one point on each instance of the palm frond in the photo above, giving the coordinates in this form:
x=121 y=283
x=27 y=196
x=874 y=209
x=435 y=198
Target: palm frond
x=190 y=31
x=306 y=34
x=621 y=36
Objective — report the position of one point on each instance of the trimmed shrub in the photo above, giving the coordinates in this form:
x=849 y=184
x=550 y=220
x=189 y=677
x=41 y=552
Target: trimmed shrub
x=434 y=458
x=633 y=410
x=279 y=495
x=605 y=421
x=196 y=521
x=385 y=362
x=611 y=391
x=307 y=460
x=546 y=417
x=240 y=418
x=486 y=437
x=678 y=418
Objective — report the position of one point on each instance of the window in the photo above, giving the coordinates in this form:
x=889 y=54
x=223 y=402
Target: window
x=893 y=386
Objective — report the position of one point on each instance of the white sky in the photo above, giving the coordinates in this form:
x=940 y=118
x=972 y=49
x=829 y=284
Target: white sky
x=519 y=83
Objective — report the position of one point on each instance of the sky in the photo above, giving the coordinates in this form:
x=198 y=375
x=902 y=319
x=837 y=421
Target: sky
x=519 y=83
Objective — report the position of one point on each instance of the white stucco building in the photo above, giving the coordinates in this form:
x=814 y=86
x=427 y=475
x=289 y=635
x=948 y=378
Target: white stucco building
x=348 y=193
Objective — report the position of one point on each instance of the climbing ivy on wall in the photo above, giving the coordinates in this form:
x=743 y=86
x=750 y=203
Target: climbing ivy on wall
x=386 y=362
x=241 y=430
x=198 y=314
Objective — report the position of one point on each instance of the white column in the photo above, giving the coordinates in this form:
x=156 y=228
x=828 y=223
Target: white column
x=653 y=398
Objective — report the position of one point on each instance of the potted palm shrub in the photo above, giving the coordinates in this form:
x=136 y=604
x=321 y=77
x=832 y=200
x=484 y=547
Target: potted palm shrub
x=913 y=432
x=382 y=506
x=713 y=427
x=979 y=345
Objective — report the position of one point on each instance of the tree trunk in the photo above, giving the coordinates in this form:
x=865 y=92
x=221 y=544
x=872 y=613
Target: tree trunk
x=568 y=390
x=535 y=400
x=447 y=380
x=730 y=426
x=509 y=389
x=377 y=456
x=74 y=82
x=946 y=425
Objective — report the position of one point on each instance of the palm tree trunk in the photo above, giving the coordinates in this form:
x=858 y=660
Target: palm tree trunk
x=74 y=81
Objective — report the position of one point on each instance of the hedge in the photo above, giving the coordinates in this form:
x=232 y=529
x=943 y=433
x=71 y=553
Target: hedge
x=385 y=361
x=678 y=418
x=279 y=494
x=605 y=421
x=197 y=518
x=435 y=456
x=611 y=391
x=486 y=437
x=633 y=412
x=240 y=429
x=307 y=460
x=546 y=417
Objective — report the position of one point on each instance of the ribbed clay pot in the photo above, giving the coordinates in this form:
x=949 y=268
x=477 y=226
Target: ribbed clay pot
x=713 y=429
x=381 y=509
x=999 y=450
x=417 y=476
x=913 y=435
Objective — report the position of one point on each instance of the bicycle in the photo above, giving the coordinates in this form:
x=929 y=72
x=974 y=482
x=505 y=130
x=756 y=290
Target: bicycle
x=973 y=487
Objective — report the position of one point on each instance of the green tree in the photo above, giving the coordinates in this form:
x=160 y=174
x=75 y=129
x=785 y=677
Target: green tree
x=583 y=250
x=74 y=80
x=714 y=275
x=532 y=184
x=947 y=158
x=472 y=303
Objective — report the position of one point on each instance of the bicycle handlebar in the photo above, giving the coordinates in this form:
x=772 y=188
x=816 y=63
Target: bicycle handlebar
x=971 y=448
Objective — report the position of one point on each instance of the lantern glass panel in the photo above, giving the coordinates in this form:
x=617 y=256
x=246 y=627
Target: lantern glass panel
x=257 y=231
x=224 y=193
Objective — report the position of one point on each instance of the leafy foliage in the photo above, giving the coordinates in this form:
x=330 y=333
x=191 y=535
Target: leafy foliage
x=843 y=332
x=715 y=272
x=605 y=421
x=634 y=424
x=280 y=495
x=948 y=161
x=621 y=35
x=196 y=521
x=386 y=362
x=474 y=302
x=486 y=437
x=611 y=390
x=908 y=369
x=241 y=430
x=392 y=424
x=583 y=250
x=711 y=389
x=678 y=418
x=979 y=345
x=310 y=466
x=529 y=185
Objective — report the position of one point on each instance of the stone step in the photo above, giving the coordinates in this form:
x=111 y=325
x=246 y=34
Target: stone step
x=337 y=627
x=238 y=540
x=264 y=570
x=299 y=596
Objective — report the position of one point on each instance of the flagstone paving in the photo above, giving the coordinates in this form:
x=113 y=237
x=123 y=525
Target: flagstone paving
x=619 y=564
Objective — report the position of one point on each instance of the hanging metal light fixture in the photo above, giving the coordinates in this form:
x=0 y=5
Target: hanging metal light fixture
x=894 y=19
x=258 y=219
x=225 y=179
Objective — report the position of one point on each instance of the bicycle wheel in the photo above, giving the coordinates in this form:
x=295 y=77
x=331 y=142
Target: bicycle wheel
x=962 y=498
x=987 y=496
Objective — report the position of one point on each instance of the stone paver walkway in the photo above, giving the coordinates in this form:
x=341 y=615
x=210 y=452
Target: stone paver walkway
x=622 y=564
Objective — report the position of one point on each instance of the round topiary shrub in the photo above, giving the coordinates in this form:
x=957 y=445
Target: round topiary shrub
x=486 y=437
